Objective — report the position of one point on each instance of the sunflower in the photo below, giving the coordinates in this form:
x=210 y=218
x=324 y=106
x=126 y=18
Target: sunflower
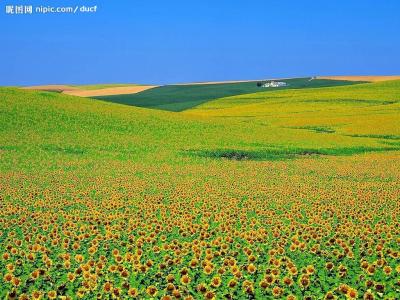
x=277 y=291
x=248 y=286
x=235 y=269
x=380 y=287
x=329 y=296
x=71 y=277
x=52 y=294
x=387 y=270
x=10 y=267
x=117 y=292
x=176 y=293
x=221 y=270
x=288 y=281
x=193 y=263
x=216 y=281
x=80 y=293
x=185 y=279
x=208 y=269
x=201 y=288
x=151 y=290
x=398 y=268
x=12 y=295
x=133 y=292
x=8 y=277
x=329 y=266
x=107 y=287
x=170 y=287
x=232 y=283
x=310 y=269
x=36 y=295
x=16 y=281
x=371 y=269
x=209 y=295
x=293 y=270
x=352 y=293
x=67 y=264
x=304 y=281
x=344 y=288
x=269 y=279
x=31 y=256
x=251 y=268
x=124 y=273
x=35 y=274
x=23 y=297
x=368 y=296
x=264 y=284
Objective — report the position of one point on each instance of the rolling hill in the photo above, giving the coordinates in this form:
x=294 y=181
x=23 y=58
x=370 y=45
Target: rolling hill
x=362 y=115
x=182 y=97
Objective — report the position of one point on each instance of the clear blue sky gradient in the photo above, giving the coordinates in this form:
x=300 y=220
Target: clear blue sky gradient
x=183 y=41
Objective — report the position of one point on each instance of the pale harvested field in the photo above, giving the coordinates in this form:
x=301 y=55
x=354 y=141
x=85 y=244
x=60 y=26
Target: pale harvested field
x=78 y=91
x=109 y=91
x=361 y=78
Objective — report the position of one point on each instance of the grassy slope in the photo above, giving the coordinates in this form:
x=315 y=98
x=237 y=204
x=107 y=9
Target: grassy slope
x=40 y=124
x=366 y=110
x=182 y=97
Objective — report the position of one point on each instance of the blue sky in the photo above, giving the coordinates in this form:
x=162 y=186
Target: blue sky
x=183 y=41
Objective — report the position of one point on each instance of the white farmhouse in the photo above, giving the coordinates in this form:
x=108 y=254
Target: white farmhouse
x=274 y=84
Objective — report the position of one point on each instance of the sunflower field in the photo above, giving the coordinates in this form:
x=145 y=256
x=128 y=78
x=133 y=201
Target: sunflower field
x=293 y=194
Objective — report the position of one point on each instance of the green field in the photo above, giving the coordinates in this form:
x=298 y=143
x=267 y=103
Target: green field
x=182 y=97
x=235 y=193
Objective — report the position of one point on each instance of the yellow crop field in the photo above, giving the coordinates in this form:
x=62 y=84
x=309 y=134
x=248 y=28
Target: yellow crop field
x=289 y=194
